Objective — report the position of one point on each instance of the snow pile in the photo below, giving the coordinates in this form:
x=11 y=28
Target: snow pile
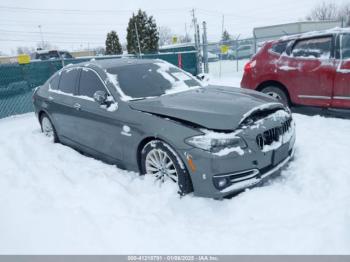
x=54 y=200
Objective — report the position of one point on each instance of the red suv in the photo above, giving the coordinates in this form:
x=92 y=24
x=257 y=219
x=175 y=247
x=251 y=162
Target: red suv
x=311 y=69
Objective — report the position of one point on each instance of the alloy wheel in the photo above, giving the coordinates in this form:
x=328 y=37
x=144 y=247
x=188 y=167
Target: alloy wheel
x=159 y=164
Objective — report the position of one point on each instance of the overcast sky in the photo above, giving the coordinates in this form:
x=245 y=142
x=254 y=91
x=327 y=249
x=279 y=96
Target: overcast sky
x=88 y=24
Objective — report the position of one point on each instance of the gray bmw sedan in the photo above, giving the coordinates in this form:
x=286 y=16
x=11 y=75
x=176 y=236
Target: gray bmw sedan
x=151 y=117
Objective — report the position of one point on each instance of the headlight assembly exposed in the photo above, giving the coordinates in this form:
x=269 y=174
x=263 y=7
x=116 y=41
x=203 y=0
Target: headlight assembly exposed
x=213 y=141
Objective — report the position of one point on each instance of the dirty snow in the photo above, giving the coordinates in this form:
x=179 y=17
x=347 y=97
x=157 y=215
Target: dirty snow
x=56 y=201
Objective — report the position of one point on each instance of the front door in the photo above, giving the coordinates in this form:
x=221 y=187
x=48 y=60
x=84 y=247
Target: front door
x=341 y=95
x=98 y=127
x=309 y=71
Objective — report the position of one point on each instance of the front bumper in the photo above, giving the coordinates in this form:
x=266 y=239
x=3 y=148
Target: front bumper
x=241 y=171
x=253 y=177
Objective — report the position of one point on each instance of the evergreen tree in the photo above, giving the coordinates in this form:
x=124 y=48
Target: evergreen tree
x=113 y=46
x=147 y=32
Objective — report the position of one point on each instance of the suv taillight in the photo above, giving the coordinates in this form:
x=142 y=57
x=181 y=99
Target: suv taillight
x=249 y=66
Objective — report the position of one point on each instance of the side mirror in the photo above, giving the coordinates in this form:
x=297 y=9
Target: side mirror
x=100 y=97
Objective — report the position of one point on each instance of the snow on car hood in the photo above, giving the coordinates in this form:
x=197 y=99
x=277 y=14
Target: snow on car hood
x=213 y=107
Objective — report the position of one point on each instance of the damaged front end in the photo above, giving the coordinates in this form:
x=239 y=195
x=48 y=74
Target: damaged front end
x=261 y=146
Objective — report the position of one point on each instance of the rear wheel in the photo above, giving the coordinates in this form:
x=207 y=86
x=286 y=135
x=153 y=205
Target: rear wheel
x=47 y=128
x=161 y=161
x=276 y=93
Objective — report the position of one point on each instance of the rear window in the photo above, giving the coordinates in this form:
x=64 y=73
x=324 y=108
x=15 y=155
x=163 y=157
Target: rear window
x=313 y=48
x=345 y=46
x=54 y=82
x=279 y=47
x=68 y=80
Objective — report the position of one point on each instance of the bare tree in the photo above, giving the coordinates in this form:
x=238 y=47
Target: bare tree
x=185 y=38
x=344 y=14
x=165 y=35
x=324 y=11
x=25 y=50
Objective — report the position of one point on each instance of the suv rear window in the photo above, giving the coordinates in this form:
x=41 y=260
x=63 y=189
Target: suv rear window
x=314 y=48
x=279 y=47
x=345 y=45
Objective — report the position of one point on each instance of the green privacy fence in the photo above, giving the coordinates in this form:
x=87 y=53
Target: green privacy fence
x=17 y=82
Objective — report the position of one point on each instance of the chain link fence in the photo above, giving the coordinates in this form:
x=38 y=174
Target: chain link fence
x=228 y=57
x=17 y=82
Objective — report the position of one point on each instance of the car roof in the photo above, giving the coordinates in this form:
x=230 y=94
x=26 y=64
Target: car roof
x=115 y=62
x=332 y=31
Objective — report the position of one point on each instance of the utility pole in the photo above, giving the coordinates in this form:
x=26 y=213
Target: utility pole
x=196 y=40
x=237 y=51
x=186 y=34
x=138 y=40
x=205 y=48
x=42 y=38
x=222 y=33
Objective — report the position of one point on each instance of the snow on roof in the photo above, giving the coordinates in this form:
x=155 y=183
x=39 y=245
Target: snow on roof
x=176 y=45
x=336 y=30
x=42 y=51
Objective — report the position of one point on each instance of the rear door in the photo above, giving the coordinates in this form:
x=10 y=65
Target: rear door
x=341 y=95
x=309 y=71
x=62 y=103
x=99 y=127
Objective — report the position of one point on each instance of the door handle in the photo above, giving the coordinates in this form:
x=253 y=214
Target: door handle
x=77 y=106
x=50 y=98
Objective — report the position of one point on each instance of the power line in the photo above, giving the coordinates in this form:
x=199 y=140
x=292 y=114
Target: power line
x=60 y=42
x=27 y=9
x=50 y=33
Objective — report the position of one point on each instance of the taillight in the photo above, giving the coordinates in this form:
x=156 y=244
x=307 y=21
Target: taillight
x=249 y=66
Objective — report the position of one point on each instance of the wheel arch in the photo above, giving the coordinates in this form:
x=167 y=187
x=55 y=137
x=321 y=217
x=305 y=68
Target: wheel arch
x=141 y=145
x=41 y=113
x=274 y=83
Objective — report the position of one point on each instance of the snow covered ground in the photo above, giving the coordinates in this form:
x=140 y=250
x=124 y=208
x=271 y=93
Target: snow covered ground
x=226 y=73
x=54 y=200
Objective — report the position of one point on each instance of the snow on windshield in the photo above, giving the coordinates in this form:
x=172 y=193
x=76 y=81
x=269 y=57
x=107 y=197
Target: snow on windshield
x=149 y=80
x=113 y=78
x=177 y=79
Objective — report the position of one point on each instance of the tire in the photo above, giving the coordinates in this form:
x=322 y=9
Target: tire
x=48 y=128
x=277 y=93
x=172 y=165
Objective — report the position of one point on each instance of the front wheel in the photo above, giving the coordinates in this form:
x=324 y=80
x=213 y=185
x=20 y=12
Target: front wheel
x=276 y=93
x=162 y=162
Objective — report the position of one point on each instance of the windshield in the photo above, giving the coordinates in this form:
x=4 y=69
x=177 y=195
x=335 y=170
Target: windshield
x=151 y=79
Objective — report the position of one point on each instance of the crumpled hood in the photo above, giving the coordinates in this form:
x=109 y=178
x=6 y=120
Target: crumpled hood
x=212 y=107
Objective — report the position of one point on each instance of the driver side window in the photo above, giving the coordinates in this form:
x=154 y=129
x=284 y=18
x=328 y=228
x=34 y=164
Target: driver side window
x=89 y=83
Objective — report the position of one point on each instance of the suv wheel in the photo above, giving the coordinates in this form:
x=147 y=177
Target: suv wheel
x=162 y=162
x=276 y=93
